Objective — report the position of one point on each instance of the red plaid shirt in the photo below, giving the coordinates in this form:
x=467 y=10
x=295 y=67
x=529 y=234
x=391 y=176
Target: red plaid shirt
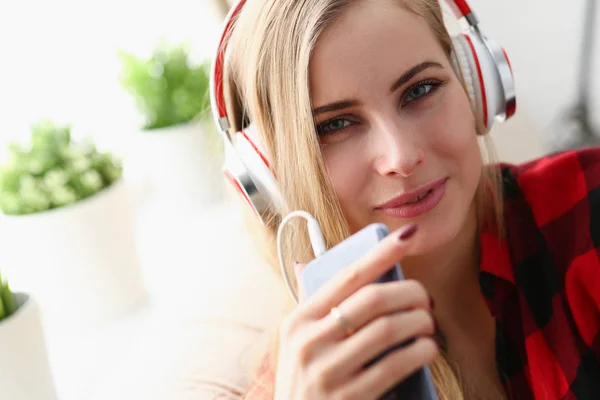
x=542 y=282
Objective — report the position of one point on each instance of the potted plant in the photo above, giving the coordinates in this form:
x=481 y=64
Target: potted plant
x=179 y=150
x=67 y=224
x=24 y=367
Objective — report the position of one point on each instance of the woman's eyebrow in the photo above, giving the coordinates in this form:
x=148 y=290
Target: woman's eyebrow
x=408 y=75
x=335 y=106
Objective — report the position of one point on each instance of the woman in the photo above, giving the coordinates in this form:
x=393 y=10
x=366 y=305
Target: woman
x=503 y=289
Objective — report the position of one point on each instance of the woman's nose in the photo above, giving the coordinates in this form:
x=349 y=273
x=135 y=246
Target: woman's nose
x=398 y=151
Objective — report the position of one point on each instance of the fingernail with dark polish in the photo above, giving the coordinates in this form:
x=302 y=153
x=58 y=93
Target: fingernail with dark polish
x=407 y=232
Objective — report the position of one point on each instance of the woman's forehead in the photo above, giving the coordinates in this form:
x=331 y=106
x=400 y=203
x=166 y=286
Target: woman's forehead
x=368 y=37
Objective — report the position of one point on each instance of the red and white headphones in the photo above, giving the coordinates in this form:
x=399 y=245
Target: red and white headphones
x=484 y=65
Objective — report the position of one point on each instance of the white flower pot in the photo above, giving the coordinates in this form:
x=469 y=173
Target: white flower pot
x=79 y=261
x=182 y=164
x=24 y=367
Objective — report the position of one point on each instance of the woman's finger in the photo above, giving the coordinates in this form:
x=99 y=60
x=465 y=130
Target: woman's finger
x=376 y=300
x=376 y=380
x=366 y=270
x=385 y=333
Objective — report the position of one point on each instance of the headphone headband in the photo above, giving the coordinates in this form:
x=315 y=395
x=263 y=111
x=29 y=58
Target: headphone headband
x=462 y=9
x=217 y=97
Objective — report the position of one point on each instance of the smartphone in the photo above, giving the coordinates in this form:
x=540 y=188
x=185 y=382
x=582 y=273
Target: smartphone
x=418 y=386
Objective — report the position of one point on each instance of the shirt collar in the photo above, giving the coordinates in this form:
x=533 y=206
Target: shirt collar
x=495 y=257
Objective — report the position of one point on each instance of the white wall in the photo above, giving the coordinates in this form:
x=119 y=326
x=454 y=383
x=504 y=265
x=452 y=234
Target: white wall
x=58 y=60
x=542 y=38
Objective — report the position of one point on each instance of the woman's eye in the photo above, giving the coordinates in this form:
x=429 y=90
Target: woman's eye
x=420 y=91
x=333 y=125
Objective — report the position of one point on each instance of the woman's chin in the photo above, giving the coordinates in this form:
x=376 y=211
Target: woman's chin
x=429 y=239
x=433 y=232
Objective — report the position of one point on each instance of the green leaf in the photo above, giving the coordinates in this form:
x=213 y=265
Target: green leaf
x=3 y=313
x=8 y=298
x=52 y=170
x=167 y=88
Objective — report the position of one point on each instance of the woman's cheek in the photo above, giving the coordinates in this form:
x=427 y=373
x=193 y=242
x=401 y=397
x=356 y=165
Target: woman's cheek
x=455 y=130
x=345 y=169
x=457 y=143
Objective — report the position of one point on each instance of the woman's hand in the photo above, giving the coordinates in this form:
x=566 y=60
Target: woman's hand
x=322 y=355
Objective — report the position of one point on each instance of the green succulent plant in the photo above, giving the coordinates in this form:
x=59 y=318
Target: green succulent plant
x=52 y=170
x=8 y=303
x=168 y=89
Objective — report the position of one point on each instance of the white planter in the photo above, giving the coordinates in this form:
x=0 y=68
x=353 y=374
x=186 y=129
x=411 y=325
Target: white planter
x=24 y=367
x=79 y=261
x=182 y=164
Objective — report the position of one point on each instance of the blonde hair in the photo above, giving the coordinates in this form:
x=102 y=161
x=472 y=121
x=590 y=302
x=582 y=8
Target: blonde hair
x=267 y=82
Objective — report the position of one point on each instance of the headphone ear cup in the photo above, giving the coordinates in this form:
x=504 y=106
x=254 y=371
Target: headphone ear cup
x=465 y=65
x=248 y=169
x=483 y=78
x=253 y=155
x=237 y=182
x=238 y=177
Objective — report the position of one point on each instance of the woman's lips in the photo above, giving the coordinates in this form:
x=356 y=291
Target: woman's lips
x=417 y=202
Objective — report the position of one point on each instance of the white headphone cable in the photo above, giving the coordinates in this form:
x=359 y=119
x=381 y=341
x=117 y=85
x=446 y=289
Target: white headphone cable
x=316 y=240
